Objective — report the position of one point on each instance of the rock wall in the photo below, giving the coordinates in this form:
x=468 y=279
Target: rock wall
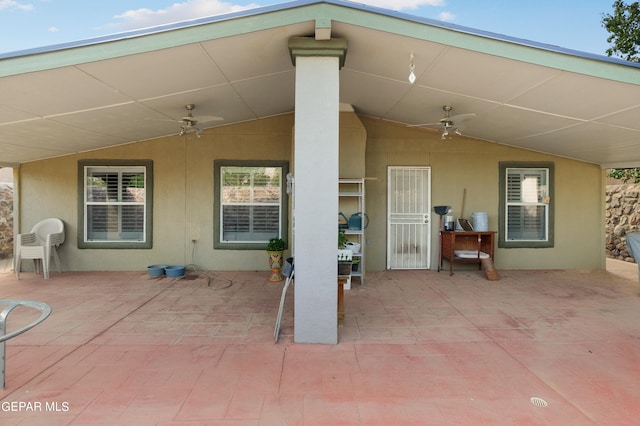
x=6 y=220
x=622 y=216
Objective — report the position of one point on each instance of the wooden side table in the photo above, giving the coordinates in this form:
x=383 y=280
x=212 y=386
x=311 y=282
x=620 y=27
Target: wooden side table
x=342 y=280
x=466 y=240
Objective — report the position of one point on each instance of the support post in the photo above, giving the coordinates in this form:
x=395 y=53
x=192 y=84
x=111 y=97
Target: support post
x=316 y=153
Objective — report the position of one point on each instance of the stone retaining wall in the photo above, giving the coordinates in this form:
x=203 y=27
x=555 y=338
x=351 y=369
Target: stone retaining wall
x=6 y=220
x=622 y=216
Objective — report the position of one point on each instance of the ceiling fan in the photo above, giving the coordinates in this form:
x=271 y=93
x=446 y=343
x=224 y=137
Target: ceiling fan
x=449 y=123
x=188 y=123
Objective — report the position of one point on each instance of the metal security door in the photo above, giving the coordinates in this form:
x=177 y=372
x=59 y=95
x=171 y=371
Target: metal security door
x=408 y=218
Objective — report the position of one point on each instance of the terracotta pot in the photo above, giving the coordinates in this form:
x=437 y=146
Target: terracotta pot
x=275 y=263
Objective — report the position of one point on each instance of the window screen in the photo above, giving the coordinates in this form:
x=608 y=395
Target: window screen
x=250 y=203
x=115 y=200
x=526 y=205
x=115 y=204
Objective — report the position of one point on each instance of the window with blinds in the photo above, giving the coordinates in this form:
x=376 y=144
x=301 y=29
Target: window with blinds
x=525 y=204
x=115 y=202
x=527 y=195
x=250 y=203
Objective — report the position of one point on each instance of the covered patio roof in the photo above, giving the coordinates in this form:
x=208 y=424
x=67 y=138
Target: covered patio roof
x=134 y=86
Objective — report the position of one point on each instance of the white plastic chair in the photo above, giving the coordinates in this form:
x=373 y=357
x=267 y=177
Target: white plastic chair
x=40 y=244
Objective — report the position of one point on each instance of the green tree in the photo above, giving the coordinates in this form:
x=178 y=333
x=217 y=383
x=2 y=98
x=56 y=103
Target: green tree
x=625 y=175
x=623 y=26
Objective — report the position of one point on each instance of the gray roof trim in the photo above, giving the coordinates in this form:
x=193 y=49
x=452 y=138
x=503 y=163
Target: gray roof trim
x=159 y=29
x=290 y=6
x=502 y=37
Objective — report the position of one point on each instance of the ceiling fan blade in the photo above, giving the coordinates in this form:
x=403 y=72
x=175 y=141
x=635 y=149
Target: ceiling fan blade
x=425 y=124
x=461 y=117
x=206 y=118
x=448 y=123
x=459 y=122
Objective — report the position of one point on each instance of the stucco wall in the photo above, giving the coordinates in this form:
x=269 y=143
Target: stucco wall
x=183 y=196
x=184 y=182
x=461 y=163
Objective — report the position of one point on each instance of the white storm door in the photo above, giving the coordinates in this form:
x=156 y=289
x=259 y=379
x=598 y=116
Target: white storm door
x=409 y=217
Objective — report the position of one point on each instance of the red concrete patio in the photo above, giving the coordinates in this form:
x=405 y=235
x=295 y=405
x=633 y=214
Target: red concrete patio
x=417 y=348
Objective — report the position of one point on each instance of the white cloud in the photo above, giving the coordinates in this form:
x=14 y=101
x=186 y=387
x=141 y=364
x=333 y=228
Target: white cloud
x=53 y=29
x=14 y=5
x=446 y=16
x=190 y=9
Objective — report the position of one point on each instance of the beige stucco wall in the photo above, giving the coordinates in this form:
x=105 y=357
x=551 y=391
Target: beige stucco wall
x=183 y=193
x=353 y=142
x=461 y=163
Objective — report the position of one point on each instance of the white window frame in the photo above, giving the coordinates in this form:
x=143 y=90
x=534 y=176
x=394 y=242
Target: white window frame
x=86 y=168
x=219 y=166
x=538 y=195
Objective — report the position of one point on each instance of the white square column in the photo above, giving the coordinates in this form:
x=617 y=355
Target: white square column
x=316 y=153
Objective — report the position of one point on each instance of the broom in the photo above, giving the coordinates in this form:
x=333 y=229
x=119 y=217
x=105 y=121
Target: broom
x=462 y=222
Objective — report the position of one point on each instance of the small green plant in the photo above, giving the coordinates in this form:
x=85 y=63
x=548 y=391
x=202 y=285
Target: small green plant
x=625 y=175
x=276 y=244
x=342 y=239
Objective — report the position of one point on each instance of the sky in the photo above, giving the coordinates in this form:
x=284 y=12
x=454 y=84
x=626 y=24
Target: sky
x=571 y=24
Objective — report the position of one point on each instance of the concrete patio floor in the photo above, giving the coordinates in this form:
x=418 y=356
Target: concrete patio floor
x=417 y=348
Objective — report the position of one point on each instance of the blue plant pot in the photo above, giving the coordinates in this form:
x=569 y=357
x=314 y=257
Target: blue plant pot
x=175 y=271
x=156 y=270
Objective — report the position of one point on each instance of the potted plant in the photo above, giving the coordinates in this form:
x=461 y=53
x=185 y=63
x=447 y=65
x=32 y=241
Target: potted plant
x=342 y=240
x=356 y=264
x=345 y=257
x=275 y=248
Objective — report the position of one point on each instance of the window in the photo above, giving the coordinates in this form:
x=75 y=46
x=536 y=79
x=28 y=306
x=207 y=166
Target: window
x=115 y=201
x=526 y=205
x=250 y=203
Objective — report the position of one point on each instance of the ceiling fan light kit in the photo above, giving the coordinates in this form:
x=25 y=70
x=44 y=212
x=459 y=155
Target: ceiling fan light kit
x=188 y=123
x=448 y=123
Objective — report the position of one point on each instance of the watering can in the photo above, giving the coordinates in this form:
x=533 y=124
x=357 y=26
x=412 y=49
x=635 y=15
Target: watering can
x=343 y=222
x=355 y=221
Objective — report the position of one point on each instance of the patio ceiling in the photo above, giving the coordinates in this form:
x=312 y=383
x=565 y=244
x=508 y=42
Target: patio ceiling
x=131 y=87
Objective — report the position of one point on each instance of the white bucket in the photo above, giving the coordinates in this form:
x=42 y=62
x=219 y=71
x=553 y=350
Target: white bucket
x=480 y=221
x=354 y=247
